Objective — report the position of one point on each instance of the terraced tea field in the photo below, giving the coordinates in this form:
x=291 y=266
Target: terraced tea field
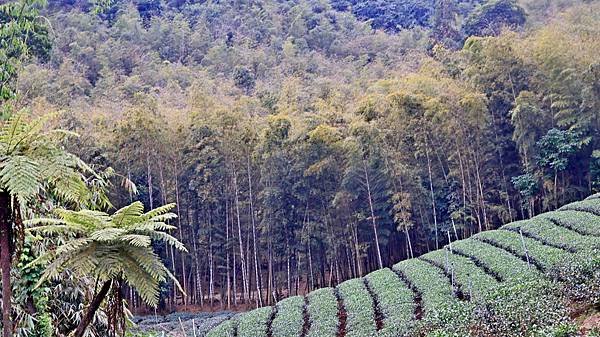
x=391 y=302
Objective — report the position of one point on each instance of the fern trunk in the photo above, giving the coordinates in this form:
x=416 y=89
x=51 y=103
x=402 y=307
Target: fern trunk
x=5 y=262
x=89 y=315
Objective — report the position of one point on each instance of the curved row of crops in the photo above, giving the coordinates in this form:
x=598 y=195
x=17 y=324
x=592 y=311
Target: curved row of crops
x=391 y=302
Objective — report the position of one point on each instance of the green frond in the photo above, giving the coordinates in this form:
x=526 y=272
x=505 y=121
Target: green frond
x=148 y=260
x=87 y=220
x=54 y=229
x=73 y=245
x=71 y=188
x=136 y=240
x=107 y=234
x=28 y=132
x=128 y=215
x=162 y=236
x=42 y=221
x=11 y=130
x=175 y=281
x=157 y=211
x=20 y=176
x=109 y=247
x=163 y=217
x=152 y=226
x=144 y=283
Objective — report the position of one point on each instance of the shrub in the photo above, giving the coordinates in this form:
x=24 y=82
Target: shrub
x=323 y=313
x=436 y=291
x=546 y=256
x=396 y=301
x=580 y=277
x=519 y=308
x=560 y=236
x=358 y=303
x=225 y=329
x=254 y=323
x=589 y=205
x=582 y=222
x=497 y=260
x=473 y=280
x=290 y=317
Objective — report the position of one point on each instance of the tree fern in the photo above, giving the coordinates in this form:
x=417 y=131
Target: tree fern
x=110 y=247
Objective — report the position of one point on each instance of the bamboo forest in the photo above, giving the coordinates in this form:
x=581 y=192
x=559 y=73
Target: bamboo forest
x=301 y=168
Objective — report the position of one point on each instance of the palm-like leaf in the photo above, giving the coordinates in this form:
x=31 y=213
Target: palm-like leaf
x=111 y=246
x=32 y=161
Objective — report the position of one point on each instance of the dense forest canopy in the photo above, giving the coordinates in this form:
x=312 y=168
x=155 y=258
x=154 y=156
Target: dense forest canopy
x=307 y=142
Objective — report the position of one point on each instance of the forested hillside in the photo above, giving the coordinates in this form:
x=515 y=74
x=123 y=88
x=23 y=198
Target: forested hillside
x=305 y=142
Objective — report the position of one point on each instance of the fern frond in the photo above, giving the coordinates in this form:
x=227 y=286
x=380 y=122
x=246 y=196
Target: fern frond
x=20 y=176
x=157 y=211
x=107 y=234
x=136 y=240
x=128 y=215
x=170 y=240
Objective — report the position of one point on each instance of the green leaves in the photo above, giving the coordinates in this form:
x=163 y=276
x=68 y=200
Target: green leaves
x=111 y=246
x=322 y=311
x=20 y=176
x=359 y=308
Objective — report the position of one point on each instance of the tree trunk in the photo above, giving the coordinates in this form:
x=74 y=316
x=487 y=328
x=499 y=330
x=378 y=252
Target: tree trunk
x=5 y=261
x=373 y=220
x=433 y=206
x=254 y=243
x=245 y=287
x=89 y=315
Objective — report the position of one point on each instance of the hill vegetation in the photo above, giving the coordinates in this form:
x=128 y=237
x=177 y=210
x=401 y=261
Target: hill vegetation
x=304 y=143
x=513 y=281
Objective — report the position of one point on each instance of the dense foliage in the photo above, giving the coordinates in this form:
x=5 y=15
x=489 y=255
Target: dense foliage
x=304 y=147
x=304 y=143
x=423 y=298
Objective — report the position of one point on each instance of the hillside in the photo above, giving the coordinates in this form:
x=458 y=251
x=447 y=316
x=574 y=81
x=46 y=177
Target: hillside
x=183 y=157
x=442 y=289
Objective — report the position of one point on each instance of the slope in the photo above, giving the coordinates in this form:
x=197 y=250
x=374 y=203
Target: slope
x=396 y=301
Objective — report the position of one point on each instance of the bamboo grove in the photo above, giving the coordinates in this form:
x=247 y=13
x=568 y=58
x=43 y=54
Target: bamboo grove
x=303 y=148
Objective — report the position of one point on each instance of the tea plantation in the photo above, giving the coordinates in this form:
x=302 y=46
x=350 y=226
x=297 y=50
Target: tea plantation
x=459 y=290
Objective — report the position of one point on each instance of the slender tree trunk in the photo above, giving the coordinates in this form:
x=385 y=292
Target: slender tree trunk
x=254 y=243
x=373 y=220
x=227 y=254
x=210 y=265
x=310 y=266
x=149 y=177
x=179 y=230
x=433 y=206
x=410 y=249
x=91 y=311
x=6 y=220
x=241 y=241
